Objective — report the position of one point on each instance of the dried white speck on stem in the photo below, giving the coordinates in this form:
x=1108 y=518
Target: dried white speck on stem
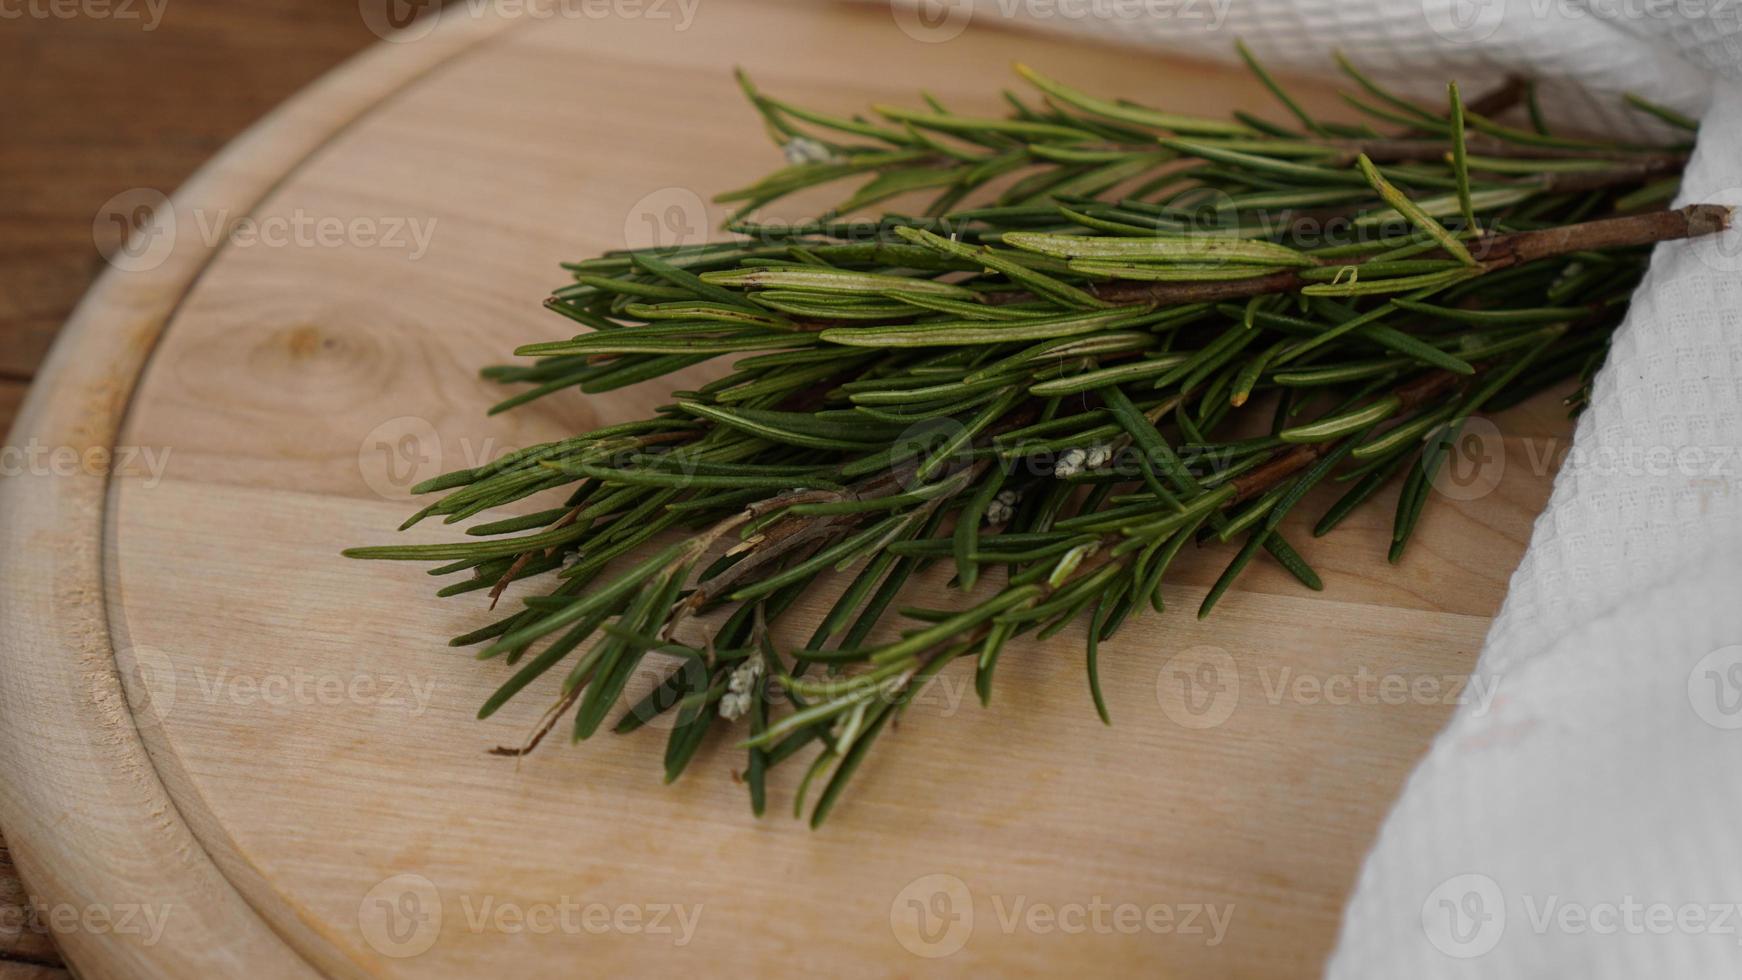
x=802 y=149
x=1003 y=507
x=740 y=688
x=1075 y=461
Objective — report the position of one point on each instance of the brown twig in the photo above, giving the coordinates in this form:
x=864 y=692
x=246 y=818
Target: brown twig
x=1695 y=220
x=1503 y=97
x=1494 y=252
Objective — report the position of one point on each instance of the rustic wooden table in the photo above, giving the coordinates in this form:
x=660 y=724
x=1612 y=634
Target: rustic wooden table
x=103 y=98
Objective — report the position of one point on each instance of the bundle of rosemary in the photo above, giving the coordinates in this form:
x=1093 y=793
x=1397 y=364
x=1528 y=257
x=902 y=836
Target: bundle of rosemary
x=1150 y=330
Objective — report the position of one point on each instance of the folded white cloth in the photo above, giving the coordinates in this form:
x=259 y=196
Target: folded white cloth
x=1584 y=54
x=1585 y=823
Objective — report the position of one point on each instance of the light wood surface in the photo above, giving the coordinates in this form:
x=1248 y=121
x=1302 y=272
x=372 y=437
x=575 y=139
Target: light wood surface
x=99 y=104
x=215 y=717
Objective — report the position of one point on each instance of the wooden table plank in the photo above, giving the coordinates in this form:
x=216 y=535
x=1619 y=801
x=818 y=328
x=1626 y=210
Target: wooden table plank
x=11 y=396
x=23 y=943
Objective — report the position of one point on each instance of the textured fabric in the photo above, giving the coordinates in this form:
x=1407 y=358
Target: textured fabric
x=1584 y=54
x=1585 y=823
x=1598 y=798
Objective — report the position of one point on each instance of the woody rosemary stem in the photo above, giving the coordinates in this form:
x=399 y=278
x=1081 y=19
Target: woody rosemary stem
x=1494 y=252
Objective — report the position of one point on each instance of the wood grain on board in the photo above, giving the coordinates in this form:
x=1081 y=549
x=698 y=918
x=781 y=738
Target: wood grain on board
x=98 y=104
x=296 y=774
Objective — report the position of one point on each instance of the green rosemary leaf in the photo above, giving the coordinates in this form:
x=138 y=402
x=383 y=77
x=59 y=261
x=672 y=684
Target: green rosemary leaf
x=1127 y=112
x=1495 y=317
x=1175 y=272
x=1357 y=286
x=834 y=281
x=1358 y=494
x=1264 y=165
x=587 y=605
x=1242 y=558
x=1038 y=282
x=853 y=127
x=1419 y=116
x=1276 y=90
x=1664 y=113
x=1154 y=456
x=1195 y=250
x=972 y=332
x=1421 y=219
x=847 y=766
x=1339 y=426
x=963 y=124
x=1093 y=657
x=893 y=183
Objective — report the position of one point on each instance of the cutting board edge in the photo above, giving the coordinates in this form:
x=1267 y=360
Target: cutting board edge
x=78 y=768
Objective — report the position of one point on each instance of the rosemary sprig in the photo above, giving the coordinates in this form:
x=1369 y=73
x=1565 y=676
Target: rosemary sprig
x=1113 y=331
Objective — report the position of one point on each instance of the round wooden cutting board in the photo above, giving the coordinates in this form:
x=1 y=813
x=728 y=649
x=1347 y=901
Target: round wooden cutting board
x=227 y=750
